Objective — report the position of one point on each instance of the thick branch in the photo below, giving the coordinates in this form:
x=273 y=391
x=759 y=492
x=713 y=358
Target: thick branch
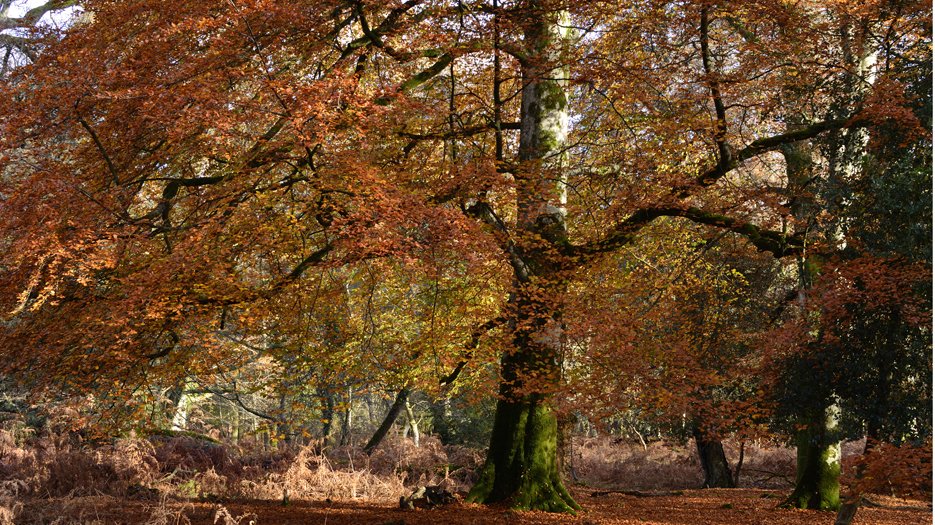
x=482 y=211
x=777 y=243
x=758 y=147
x=624 y=232
x=463 y=132
x=372 y=36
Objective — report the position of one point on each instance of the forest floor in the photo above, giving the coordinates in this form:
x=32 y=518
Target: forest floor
x=689 y=507
x=182 y=480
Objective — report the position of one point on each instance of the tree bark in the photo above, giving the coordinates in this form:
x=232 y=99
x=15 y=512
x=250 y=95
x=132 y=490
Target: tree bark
x=346 y=424
x=522 y=466
x=398 y=404
x=846 y=513
x=412 y=425
x=818 y=464
x=713 y=461
x=818 y=454
x=441 y=413
x=327 y=416
x=185 y=401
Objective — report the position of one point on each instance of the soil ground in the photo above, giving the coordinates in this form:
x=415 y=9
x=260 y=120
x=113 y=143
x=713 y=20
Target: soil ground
x=689 y=507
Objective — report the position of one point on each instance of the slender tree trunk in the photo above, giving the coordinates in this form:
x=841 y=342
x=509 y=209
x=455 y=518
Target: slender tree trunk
x=412 y=425
x=522 y=466
x=346 y=424
x=327 y=416
x=713 y=461
x=441 y=413
x=284 y=428
x=739 y=466
x=398 y=404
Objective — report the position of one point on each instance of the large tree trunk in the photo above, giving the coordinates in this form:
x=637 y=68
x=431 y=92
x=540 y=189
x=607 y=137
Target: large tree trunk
x=713 y=461
x=818 y=454
x=522 y=466
x=818 y=464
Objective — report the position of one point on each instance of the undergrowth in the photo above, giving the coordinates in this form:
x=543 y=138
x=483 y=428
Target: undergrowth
x=42 y=478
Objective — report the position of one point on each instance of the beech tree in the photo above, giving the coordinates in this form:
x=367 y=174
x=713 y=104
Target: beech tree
x=170 y=169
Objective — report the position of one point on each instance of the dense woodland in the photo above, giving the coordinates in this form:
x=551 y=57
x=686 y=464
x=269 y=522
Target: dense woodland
x=512 y=227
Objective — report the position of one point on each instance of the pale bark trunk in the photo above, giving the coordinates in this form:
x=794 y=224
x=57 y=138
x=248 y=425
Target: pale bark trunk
x=183 y=407
x=412 y=425
x=346 y=424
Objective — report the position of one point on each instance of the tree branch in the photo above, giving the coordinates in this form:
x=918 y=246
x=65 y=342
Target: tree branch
x=463 y=132
x=777 y=243
x=31 y=18
x=758 y=147
x=724 y=152
x=100 y=148
x=624 y=231
x=470 y=347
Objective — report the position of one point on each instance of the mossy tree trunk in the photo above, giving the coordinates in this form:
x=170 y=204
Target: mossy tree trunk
x=522 y=464
x=522 y=461
x=818 y=451
x=818 y=463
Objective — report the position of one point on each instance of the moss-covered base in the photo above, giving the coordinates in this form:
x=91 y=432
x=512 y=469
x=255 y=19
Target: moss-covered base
x=522 y=466
x=818 y=472
x=549 y=495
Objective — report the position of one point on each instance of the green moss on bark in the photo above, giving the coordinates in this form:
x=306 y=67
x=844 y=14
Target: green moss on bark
x=522 y=466
x=818 y=466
